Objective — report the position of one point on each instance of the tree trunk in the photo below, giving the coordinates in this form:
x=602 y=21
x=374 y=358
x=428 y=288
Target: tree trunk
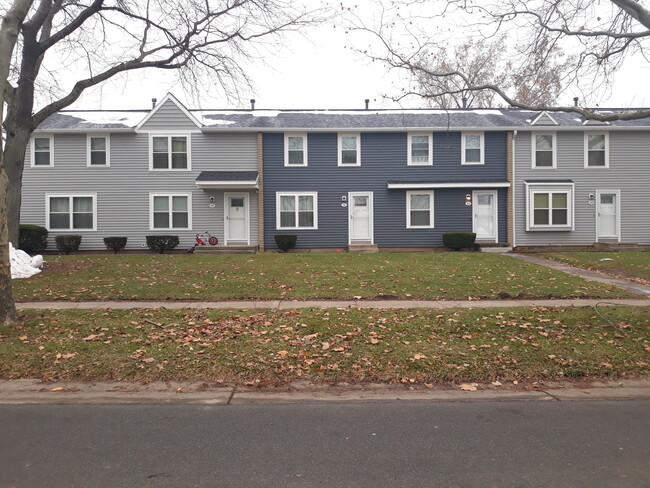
x=14 y=158
x=7 y=306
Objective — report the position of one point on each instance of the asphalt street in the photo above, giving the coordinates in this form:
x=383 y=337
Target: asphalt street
x=391 y=444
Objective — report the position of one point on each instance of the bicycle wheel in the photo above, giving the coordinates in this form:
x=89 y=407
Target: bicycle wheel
x=213 y=241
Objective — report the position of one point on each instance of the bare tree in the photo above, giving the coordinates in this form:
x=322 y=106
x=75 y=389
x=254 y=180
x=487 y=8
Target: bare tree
x=595 y=39
x=205 y=42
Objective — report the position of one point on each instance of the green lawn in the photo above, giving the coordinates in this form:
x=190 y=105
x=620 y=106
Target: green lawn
x=270 y=348
x=301 y=276
x=626 y=264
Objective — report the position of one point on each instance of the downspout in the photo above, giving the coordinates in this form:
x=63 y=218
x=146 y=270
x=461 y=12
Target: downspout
x=513 y=188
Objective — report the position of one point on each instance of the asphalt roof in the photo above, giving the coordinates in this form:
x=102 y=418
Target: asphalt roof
x=227 y=176
x=73 y=120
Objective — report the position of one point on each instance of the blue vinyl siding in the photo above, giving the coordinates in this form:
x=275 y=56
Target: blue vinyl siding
x=383 y=159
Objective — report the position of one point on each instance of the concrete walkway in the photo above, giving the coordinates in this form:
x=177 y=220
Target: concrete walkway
x=361 y=304
x=584 y=273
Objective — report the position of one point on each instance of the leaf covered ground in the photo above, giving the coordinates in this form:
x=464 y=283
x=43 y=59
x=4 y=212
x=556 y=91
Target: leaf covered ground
x=393 y=346
x=302 y=276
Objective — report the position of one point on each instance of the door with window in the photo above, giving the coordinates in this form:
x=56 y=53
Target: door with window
x=485 y=215
x=236 y=217
x=607 y=214
x=360 y=217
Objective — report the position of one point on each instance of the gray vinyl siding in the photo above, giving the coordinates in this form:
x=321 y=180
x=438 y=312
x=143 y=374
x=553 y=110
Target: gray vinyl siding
x=123 y=189
x=383 y=159
x=629 y=172
x=169 y=117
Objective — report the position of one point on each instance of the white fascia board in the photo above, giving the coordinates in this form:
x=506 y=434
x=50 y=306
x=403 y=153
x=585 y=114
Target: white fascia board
x=226 y=184
x=415 y=186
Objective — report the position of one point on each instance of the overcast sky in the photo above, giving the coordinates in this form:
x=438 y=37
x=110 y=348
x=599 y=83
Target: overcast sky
x=321 y=71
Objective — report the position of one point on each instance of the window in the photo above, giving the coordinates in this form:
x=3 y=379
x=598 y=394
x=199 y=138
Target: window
x=596 y=150
x=71 y=212
x=549 y=209
x=544 y=151
x=42 y=151
x=349 y=150
x=419 y=209
x=295 y=149
x=170 y=153
x=171 y=211
x=297 y=210
x=98 y=151
x=419 y=149
x=472 y=148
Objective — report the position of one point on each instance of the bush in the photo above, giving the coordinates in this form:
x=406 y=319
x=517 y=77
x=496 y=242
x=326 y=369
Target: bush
x=459 y=240
x=68 y=242
x=32 y=238
x=160 y=244
x=115 y=243
x=286 y=242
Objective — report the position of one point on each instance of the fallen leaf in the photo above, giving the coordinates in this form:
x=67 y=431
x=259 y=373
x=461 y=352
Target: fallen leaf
x=22 y=337
x=468 y=387
x=282 y=353
x=58 y=388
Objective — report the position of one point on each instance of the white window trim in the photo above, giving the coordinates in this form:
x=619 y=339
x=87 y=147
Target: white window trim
x=533 y=142
x=70 y=196
x=108 y=150
x=408 y=209
x=409 y=161
x=340 y=149
x=533 y=188
x=586 y=139
x=169 y=195
x=296 y=194
x=169 y=136
x=462 y=148
x=33 y=150
x=304 y=149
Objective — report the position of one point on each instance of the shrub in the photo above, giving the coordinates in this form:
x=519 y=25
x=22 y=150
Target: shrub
x=68 y=242
x=286 y=242
x=115 y=243
x=459 y=240
x=32 y=238
x=160 y=244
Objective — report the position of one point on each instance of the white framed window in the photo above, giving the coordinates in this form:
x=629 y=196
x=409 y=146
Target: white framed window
x=98 y=150
x=296 y=210
x=295 y=149
x=544 y=150
x=472 y=148
x=169 y=152
x=550 y=209
x=419 y=209
x=596 y=150
x=42 y=153
x=349 y=149
x=420 y=149
x=169 y=211
x=71 y=212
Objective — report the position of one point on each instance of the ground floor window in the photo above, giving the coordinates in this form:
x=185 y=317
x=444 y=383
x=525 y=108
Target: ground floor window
x=171 y=211
x=71 y=212
x=297 y=210
x=550 y=209
x=419 y=209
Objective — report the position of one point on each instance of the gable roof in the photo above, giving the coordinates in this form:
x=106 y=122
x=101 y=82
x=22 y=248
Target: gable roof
x=168 y=98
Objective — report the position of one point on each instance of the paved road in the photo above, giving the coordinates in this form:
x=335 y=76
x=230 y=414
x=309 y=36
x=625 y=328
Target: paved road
x=484 y=444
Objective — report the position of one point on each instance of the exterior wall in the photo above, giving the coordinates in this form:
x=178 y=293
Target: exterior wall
x=383 y=159
x=123 y=188
x=169 y=117
x=629 y=172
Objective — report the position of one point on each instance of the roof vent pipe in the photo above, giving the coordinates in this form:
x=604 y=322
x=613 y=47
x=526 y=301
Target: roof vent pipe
x=153 y=102
x=575 y=101
x=252 y=104
x=367 y=100
x=464 y=102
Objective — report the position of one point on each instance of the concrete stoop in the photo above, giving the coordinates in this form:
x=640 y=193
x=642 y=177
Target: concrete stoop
x=498 y=250
x=363 y=248
x=225 y=250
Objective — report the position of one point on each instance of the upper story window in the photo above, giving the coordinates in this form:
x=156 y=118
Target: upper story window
x=419 y=149
x=71 y=212
x=349 y=150
x=172 y=211
x=43 y=151
x=98 y=151
x=472 y=148
x=297 y=210
x=596 y=150
x=295 y=149
x=544 y=155
x=419 y=209
x=170 y=152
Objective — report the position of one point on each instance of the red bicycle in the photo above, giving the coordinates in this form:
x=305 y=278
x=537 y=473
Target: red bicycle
x=212 y=240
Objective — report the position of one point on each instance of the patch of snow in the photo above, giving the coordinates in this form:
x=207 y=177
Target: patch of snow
x=128 y=119
x=22 y=264
x=606 y=259
x=206 y=121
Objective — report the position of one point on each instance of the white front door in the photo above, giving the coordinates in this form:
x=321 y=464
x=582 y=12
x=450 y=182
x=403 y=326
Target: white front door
x=485 y=221
x=236 y=217
x=607 y=213
x=360 y=217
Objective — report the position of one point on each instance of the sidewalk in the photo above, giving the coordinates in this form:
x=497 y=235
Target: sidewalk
x=296 y=304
